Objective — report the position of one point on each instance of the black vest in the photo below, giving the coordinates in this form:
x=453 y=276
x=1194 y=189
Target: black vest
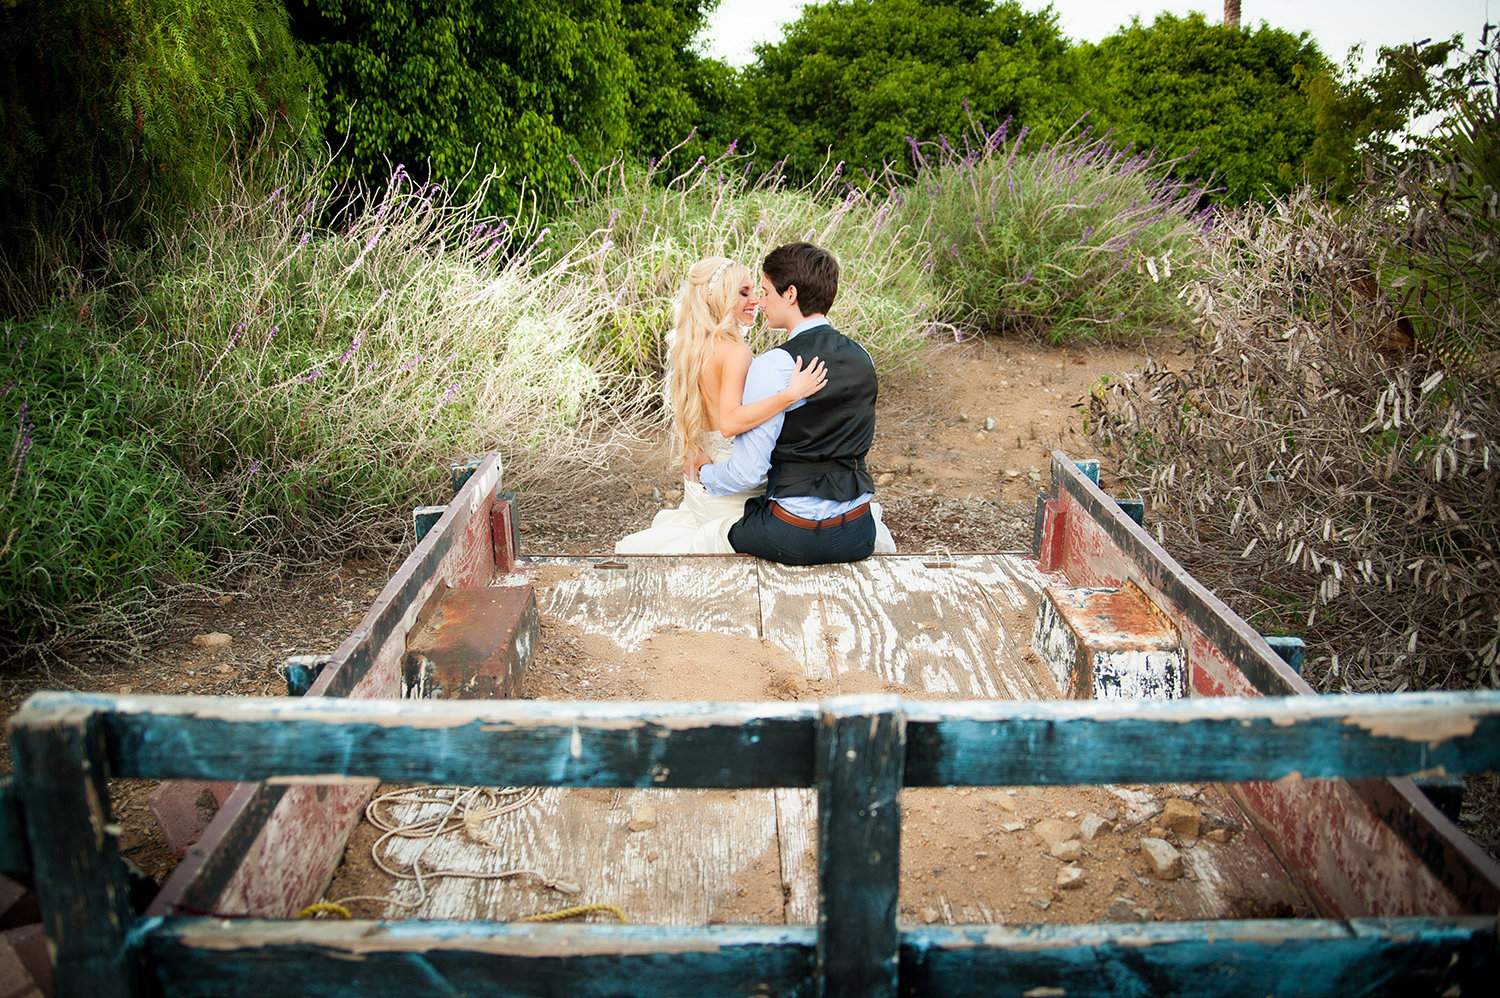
x=823 y=443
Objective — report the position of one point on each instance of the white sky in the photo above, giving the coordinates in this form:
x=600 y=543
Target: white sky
x=737 y=25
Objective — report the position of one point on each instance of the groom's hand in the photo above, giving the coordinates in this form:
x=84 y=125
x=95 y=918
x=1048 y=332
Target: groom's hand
x=696 y=460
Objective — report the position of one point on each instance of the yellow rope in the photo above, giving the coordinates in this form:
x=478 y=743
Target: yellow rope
x=324 y=908
x=577 y=909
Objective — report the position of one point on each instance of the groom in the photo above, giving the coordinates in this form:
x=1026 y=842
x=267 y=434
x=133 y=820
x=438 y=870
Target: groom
x=816 y=510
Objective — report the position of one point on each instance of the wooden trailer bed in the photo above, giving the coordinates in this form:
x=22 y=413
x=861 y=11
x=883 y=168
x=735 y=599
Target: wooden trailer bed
x=926 y=696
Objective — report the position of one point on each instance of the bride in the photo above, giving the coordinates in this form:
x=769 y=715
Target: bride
x=706 y=365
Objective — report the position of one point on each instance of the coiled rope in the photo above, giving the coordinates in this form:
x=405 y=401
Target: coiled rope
x=470 y=810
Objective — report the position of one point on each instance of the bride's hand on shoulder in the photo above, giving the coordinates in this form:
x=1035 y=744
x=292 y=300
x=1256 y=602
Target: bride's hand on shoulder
x=807 y=380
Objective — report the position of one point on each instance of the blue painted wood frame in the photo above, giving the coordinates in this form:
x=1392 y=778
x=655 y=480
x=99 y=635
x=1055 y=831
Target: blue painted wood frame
x=15 y=856
x=858 y=751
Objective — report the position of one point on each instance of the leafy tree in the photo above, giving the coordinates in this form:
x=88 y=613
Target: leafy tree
x=529 y=87
x=108 y=108
x=862 y=77
x=1236 y=96
x=665 y=79
x=1363 y=124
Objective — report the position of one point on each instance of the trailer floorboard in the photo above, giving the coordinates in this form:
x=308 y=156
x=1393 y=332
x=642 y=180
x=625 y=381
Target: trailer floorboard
x=955 y=627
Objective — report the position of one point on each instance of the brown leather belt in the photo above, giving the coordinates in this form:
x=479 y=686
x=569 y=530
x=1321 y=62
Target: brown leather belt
x=832 y=521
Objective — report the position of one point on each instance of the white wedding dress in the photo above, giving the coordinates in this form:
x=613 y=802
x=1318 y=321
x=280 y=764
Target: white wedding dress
x=701 y=524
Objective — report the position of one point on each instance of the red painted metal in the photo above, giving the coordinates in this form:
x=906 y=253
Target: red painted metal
x=504 y=536
x=1352 y=862
x=291 y=858
x=474 y=646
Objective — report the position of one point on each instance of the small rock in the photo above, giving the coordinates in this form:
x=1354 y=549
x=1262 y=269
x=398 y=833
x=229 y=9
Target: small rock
x=989 y=424
x=1001 y=801
x=1156 y=832
x=1012 y=473
x=1182 y=817
x=225 y=670
x=1042 y=903
x=981 y=435
x=369 y=593
x=672 y=495
x=643 y=818
x=1035 y=476
x=885 y=479
x=1052 y=831
x=1068 y=850
x=127 y=689
x=1162 y=857
x=1218 y=836
x=963 y=417
x=1118 y=911
x=1013 y=826
x=929 y=915
x=226 y=599
x=1069 y=878
x=214 y=639
x=1094 y=826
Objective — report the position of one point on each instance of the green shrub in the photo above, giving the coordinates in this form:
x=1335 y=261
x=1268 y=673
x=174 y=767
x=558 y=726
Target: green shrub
x=92 y=514
x=1073 y=240
x=636 y=232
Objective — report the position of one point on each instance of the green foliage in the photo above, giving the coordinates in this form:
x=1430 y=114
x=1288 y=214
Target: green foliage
x=862 y=76
x=1234 y=96
x=456 y=88
x=636 y=233
x=108 y=110
x=665 y=79
x=1074 y=240
x=89 y=506
x=1448 y=238
x=1359 y=121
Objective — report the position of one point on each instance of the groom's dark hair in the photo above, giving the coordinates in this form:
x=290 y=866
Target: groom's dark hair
x=813 y=269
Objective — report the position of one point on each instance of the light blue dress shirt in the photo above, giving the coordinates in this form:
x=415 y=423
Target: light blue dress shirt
x=750 y=455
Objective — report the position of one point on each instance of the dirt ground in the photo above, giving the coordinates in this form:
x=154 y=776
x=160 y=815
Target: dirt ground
x=961 y=453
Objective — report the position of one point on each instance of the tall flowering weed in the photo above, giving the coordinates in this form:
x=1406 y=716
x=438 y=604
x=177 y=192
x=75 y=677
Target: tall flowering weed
x=1077 y=239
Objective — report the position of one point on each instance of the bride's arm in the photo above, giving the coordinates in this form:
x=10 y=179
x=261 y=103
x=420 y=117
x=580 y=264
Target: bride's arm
x=735 y=418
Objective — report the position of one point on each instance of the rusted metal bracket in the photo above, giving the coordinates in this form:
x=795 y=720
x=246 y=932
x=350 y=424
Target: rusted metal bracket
x=474 y=645
x=504 y=532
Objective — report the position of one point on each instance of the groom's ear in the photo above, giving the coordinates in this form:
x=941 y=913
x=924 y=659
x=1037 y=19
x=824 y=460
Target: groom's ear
x=791 y=289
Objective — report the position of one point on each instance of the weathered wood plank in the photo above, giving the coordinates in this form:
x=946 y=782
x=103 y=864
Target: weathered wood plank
x=1429 y=868
x=666 y=857
x=955 y=627
x=15 y=857
x=797 y=825
x=205 y=958
x=861 y=751
x=629 y=598
x=1249 y=958
x=60 y=777
x=455 y=741
x=985 y=743
x=1201 y=739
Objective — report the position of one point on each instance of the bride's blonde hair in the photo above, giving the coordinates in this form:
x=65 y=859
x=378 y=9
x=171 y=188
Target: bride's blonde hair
x=705 y=316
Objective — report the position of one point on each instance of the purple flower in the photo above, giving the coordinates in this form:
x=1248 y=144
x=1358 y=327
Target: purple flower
x=305 y=237
x=312 y=375
x=254 y=467
x=350 y=352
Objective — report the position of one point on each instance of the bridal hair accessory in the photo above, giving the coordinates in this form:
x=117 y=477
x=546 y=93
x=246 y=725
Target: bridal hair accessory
x=719 y=273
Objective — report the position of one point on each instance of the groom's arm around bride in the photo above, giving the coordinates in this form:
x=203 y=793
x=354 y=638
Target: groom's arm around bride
x=817 y=505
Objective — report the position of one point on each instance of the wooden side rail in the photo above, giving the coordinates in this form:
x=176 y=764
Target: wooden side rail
x=1411 y=859
x=857 y=751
